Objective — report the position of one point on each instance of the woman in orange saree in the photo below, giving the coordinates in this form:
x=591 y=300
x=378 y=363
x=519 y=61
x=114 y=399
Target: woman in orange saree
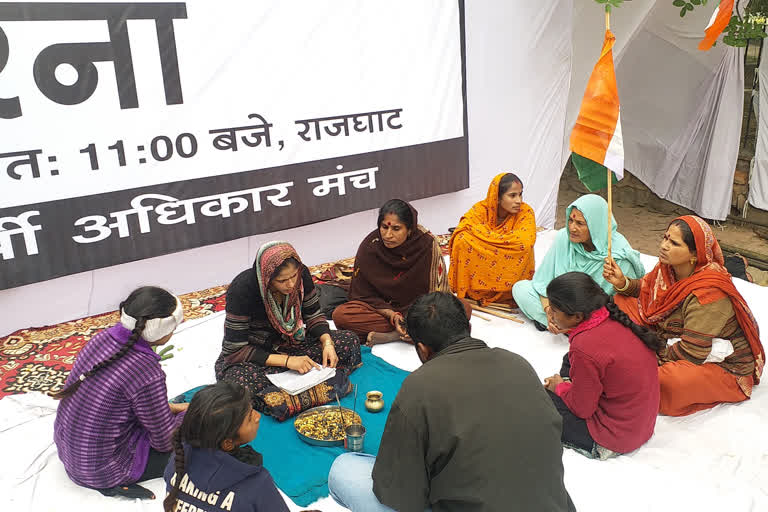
x=492 y=247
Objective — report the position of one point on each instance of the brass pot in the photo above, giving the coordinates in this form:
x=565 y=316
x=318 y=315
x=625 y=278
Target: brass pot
x=374 y=402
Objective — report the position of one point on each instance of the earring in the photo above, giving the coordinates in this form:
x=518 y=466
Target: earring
x=693 y=261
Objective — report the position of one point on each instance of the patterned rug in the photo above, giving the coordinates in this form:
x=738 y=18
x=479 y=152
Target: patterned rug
x=40 y=358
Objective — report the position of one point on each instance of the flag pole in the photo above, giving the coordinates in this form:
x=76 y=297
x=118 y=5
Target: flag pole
x=610 y=175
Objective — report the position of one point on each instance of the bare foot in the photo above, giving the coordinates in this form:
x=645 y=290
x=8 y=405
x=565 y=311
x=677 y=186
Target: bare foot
x=376 y=338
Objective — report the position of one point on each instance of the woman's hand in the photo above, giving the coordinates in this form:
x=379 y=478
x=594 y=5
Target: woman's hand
x=613 y=274
x=302 y=364
x=398 y=322
x=330 y=359
x=551 y=382
x=551 y=325
x=177 y=408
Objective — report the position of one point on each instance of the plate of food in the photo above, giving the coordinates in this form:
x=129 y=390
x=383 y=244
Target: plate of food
x=322 y=426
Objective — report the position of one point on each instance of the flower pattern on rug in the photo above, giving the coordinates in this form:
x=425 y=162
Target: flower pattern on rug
x=40 y=358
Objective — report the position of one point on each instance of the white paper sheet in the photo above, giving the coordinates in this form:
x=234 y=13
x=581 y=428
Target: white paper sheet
x=293 y=383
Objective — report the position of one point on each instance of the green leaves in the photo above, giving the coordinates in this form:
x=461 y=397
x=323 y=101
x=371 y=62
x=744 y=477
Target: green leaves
x=610 y=3
x=739 y=31
x=686 y=6
x=164 y=353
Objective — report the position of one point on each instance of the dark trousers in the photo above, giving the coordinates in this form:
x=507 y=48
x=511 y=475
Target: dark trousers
x=156 y=464
x=575 y=431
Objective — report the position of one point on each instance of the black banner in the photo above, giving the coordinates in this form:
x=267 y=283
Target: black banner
x=85 y=233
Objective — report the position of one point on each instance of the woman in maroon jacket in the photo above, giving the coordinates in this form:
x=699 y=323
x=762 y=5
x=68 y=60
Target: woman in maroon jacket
x=608 y=388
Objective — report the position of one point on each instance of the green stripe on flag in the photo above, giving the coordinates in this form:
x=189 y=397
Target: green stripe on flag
x=593 y=175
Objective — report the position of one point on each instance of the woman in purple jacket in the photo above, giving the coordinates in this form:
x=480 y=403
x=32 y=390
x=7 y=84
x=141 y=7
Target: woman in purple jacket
x=114 y=423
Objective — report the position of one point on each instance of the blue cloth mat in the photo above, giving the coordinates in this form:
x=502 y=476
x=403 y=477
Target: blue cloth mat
x=301 y=470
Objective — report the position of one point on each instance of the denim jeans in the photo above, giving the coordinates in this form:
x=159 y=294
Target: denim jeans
x=351 y=485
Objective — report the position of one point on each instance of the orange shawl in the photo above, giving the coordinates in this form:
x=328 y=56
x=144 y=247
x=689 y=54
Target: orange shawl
x=661 y=293
x=488 y=258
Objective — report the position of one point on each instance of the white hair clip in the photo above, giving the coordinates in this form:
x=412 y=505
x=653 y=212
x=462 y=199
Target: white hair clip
x=156 y=328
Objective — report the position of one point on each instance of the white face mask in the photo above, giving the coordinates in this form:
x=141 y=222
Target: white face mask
x=155 y=328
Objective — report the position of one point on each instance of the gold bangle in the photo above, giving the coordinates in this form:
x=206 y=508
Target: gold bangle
x=623 y=288
x=328 y=343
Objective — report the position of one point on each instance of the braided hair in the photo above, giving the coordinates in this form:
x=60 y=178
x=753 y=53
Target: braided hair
x=143 y=304
x=215 y=414
x=577 y=292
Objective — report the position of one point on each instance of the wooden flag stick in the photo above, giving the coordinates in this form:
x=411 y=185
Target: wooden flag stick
x=610 y=212
x=610 y=174
x=497 y=313
x=493 y=305
x=501 y=307
x=478 y=315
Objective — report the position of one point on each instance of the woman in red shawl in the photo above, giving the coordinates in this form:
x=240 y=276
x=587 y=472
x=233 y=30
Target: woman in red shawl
x=690 y=299
x=396 y=263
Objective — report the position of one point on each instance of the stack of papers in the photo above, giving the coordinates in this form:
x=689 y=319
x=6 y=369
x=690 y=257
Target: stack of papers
x=293 y=383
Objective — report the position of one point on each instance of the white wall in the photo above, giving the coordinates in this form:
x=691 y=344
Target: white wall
x=518 y=76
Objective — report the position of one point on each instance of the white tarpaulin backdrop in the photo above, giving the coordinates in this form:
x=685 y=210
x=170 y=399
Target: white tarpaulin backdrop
x=682 y=110
x=758 y=179
x=527 y=66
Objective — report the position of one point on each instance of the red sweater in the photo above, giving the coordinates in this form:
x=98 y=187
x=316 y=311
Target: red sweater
x=614 y=385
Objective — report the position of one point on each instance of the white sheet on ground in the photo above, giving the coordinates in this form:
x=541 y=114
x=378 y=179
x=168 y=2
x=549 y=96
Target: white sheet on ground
x=713 y=460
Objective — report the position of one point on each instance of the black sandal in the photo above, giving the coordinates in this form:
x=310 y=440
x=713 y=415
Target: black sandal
x=131 y=491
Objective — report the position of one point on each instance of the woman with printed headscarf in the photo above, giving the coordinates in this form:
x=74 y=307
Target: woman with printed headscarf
x=274 y=323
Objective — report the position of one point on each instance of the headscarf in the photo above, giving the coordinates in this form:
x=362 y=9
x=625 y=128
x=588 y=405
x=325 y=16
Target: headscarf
x=286 y=320
x=661 y=293
x=393 y=278
x=482 y=220
x=566 y=256
x=511 y=242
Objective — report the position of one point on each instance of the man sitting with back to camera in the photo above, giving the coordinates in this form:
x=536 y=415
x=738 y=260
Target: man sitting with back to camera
x=472 y=429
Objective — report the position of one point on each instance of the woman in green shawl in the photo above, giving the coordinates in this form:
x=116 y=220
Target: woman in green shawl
x=579 y=247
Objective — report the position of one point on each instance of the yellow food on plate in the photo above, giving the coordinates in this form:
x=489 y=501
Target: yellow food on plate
x=325 y=425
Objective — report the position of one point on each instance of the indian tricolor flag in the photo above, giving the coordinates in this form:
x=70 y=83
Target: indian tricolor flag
x=596 y=142
x=720 y=19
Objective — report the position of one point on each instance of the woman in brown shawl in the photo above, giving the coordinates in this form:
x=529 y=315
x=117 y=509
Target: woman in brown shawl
x=395 y=264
